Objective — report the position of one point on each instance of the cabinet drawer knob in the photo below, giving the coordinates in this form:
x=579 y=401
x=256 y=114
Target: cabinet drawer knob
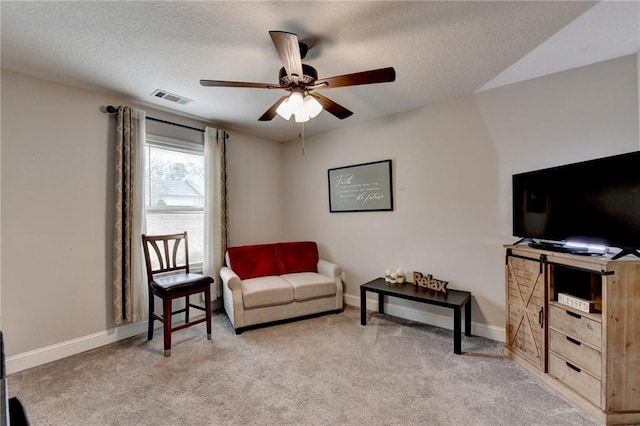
x=574 y=314
x=573 y=367
x=574 y=341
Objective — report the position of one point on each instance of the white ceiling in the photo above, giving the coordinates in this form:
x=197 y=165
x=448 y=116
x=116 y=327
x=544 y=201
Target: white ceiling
x=440 y=50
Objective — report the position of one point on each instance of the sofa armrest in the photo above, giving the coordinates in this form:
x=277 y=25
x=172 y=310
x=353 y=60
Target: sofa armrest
x=329 y=269
x=232 y=296
x=230 y=279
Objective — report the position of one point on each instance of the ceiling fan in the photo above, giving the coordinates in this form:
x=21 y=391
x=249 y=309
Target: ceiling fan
x=302 y=81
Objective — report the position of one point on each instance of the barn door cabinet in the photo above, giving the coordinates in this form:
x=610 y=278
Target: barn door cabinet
x=593 y=358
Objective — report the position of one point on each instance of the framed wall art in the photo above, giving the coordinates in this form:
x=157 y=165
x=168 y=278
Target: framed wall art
x=361 y=187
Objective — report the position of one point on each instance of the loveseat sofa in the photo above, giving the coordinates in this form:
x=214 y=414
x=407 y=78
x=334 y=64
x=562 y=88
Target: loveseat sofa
x=266 y=284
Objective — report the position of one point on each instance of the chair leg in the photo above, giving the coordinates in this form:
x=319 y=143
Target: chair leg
x=151 y=319
x=207 y=301
x=166 y=322
x=186 y=309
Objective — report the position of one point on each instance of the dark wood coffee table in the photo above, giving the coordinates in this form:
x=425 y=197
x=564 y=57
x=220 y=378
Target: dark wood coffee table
x=453 y=299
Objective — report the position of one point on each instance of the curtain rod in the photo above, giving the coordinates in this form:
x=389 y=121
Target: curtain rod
x=111 y=109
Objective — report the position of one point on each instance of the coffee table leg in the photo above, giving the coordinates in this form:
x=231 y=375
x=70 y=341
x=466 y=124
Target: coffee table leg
x=467 y=318
x=457 y=340
x=363 y=306
x=381 y=303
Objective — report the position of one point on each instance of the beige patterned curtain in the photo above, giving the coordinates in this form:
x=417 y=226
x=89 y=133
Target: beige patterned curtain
x=216 y=215
x=129 y=279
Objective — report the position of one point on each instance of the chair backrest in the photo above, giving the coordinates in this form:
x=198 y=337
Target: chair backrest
x=167 y=254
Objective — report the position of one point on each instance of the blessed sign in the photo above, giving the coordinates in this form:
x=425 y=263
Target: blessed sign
x=429 y=282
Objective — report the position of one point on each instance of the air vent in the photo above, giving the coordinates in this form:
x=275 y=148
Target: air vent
x=171 y=97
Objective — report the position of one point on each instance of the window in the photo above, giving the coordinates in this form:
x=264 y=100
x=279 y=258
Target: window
x=174 y=191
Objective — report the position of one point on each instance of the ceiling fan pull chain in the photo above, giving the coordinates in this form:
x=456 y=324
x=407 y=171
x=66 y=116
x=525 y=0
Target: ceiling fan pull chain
x=301 y=135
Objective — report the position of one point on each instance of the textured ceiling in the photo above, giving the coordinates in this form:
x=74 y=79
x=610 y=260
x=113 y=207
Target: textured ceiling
x=440 y=50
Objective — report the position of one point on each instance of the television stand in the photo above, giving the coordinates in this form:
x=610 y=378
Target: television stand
x=589 y=355
x=626 y=251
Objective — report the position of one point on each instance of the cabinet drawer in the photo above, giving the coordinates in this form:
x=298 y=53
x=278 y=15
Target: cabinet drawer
x=577 y=326
x=577 y=379
x=576 y=352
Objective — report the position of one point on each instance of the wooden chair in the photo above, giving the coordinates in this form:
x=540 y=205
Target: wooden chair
x=167 y=283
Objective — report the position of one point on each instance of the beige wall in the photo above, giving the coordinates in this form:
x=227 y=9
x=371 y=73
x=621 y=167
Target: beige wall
x=452 y=169
x=57 y=215
x=571 y=116
x=255 y=192
x=55 y=210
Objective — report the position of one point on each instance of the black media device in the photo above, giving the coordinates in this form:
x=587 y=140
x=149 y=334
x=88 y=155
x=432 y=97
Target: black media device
x=594 y=202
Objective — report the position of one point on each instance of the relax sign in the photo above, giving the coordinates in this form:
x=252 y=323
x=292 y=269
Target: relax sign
x=429 y=282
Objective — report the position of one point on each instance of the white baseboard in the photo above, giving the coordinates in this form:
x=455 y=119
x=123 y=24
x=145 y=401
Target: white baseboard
x=61 y=350
x=477 y=329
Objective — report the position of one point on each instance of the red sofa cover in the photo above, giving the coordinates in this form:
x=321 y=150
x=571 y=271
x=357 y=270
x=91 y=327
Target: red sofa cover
x=260 y=260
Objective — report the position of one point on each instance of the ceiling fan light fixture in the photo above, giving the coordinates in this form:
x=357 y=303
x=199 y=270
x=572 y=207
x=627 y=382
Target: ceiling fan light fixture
x=311 y=106
x=303 y=108
x=284 y=110
x=295 y=101
x=293 y=105
x=301 y=116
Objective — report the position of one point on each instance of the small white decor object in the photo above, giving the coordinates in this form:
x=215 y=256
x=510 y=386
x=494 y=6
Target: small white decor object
x=576 y=302
x=396 y=277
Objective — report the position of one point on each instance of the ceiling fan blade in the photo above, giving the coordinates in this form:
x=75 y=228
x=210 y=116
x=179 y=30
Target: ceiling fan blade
x=382 y=75
x=332 y=107
x=271 y=112
x=219 y=83
x=289 y=51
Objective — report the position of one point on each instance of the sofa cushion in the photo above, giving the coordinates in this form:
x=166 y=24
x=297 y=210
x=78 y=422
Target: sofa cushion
x=310 y=285
x=253 y=261
x=266 y=291
x=299 y=256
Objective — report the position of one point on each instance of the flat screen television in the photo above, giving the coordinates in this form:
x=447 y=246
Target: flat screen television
x=594 y=202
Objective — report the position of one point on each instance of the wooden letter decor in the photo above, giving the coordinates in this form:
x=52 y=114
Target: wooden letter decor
x=429 y=282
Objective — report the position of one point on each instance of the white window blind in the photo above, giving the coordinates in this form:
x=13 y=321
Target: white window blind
x=174 y=191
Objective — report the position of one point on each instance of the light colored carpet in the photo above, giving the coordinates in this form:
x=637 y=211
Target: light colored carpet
x=323 y=371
